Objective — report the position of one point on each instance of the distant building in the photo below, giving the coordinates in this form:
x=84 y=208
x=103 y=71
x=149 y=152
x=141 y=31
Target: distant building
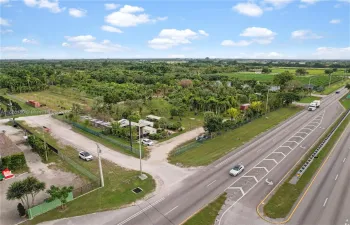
x=153 y=118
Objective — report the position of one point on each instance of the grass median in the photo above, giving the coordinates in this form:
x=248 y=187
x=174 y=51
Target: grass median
x=282 y=202
x=219 y=146
x=208 y=214
x=345 y=101
x=117 y=192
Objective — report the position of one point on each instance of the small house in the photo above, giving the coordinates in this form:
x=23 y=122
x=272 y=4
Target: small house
x=149 y=130
x=153 y=118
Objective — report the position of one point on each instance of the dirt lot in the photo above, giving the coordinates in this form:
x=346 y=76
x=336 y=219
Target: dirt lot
x=48 y=173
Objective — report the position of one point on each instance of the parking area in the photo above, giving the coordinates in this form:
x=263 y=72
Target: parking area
x=50 y=173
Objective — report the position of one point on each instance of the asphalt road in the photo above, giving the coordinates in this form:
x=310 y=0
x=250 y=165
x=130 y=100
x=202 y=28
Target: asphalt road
x=269 y=156
x=327 y=202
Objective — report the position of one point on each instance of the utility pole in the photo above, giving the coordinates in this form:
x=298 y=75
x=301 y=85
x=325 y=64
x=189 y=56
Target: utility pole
x=13 y=116
x=142 y=176
x=309 y=85
x=330 y=78
x=100 y=165
x=267 y=98
x=45 y=149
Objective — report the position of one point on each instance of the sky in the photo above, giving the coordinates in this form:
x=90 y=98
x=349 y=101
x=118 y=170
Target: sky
x=257 y=29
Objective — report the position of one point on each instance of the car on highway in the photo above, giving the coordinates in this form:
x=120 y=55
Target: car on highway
x=147 y=142
x=85 y=156
x=236 y=170
x=337 y=92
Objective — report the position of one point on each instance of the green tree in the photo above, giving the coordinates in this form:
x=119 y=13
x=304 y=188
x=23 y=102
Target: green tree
x=301 y=71
x=282 y=78
x=256 y=106
x=328 y=71
x=24 y=189
x=213 y=124
x=233 y=113
x=163 y=123
x=266 y=70
x=347 y=86
x=60 y=194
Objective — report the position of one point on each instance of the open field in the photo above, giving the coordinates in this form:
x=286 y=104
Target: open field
x=346 y=101
x=282 y=202
x=57 y=98
x=117 y=191
x=334 y=87
x=309 y=99
x=313 y=71
x=208 y=214
x=219 y=146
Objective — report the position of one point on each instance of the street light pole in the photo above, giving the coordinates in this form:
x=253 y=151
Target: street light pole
x=45 y=149
x=310 y=84
x=330 y=78
x=100 y=165
x=142 y=176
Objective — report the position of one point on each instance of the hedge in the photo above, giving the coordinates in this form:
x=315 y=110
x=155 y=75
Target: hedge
x=14 y=162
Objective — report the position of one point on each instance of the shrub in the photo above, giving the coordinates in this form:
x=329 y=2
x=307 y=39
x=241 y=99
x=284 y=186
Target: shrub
x=174 y=126
x=14 y=162
x=21 y=210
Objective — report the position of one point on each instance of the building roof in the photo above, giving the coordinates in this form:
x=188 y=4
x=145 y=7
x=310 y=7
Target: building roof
x=7 y=147
x=153 y=117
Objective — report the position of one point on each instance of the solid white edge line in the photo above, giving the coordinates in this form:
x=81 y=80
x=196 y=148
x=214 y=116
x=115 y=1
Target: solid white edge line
x=171 y=210
x=344 y=159
x=336 y=177
x=211 y=183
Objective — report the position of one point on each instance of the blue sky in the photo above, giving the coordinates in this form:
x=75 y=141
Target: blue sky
x=297 y=29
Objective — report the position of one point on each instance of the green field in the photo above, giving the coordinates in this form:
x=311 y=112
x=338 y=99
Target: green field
x=208 y=214
x=334 y=87
x=309 y=99
x=56 y=98
x=345 y=101
x=219 y=146
x=282 y=202
x=313 y=71
x=117 y=191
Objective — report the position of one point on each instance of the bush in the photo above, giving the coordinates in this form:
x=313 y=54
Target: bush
x=21 y=210
x=174 y=126
x=155 y=136
x=14 y=162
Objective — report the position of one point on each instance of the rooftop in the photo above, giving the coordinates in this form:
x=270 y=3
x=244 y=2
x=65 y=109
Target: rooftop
x=7 y=147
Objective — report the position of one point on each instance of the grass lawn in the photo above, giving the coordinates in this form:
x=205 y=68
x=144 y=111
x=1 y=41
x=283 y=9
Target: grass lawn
x=309 y=99
x=346 y=101
x=208 y=214
x=219 y=146
x=56 y=98
x=117 y=191
x=282 y=202
x=30 y=111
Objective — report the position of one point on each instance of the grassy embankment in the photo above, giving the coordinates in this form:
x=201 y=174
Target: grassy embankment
x=219 y=146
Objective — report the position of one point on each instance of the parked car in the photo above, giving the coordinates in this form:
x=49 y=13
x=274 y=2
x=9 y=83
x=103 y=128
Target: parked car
x=147 y=142
x=85 y=156
x=202 y=137
x=236 y=170
x=337 y=92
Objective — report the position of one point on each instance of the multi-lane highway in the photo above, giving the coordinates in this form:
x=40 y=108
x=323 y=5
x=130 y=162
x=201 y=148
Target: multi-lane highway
x=269 y=156
x=327 y=201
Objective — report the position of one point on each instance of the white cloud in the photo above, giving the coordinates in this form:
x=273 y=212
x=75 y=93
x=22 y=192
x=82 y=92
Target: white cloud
x=269 y=55
x=131 y=9
x=259 y=35
x=304 y=35
x=111 y=29
x=4 y=1
x=176 y=56
x=77 y=12
x=278 y=3
x=4 y=22
x=6 y=31
x=80 y=38
x=332 y=53
x=309 y=1
x=87 y=44
x=202 y=32
x=334 y=21
x=129 y=16
x=53 y=5
x=29 y=41
x=111 y=6
x=169 y=38
x=236 y=44
x=12 y=49
x=248 y=9
x=162 y=18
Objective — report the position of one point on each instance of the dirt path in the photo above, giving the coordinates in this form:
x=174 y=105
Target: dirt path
x=165 y=174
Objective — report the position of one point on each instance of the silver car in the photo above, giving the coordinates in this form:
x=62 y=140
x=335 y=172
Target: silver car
x=236 y=170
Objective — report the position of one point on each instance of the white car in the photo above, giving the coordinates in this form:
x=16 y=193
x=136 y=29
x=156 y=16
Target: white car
x=85 y=156
x=236 y=170
x=147 y=142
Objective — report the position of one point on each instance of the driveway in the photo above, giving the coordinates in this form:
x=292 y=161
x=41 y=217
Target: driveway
x=165 y=174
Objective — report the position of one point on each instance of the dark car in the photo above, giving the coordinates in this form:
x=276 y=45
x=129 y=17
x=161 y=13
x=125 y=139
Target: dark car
x=337 y=92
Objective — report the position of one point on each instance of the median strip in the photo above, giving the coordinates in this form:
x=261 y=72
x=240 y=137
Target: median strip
x=281 y=203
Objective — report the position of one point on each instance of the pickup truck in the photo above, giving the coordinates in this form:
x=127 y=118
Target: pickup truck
x=314 y=105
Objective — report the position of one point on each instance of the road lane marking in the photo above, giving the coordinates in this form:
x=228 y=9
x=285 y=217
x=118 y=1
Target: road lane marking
x=260 y=167
x=336 y=177
x=344 y=159
x=299 y=137
x=325 y=202
x=287 y=147
x=141 y=211
x=280 y=153
x=292 y=141
x=171 y=210
x=259 y=150
x=272 y=160
x=251 y=177
x=239 y=188
x=211 y=183
x=302 y=147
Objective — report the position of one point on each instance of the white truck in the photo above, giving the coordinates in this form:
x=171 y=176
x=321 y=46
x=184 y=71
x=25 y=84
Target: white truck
x=314 y=105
